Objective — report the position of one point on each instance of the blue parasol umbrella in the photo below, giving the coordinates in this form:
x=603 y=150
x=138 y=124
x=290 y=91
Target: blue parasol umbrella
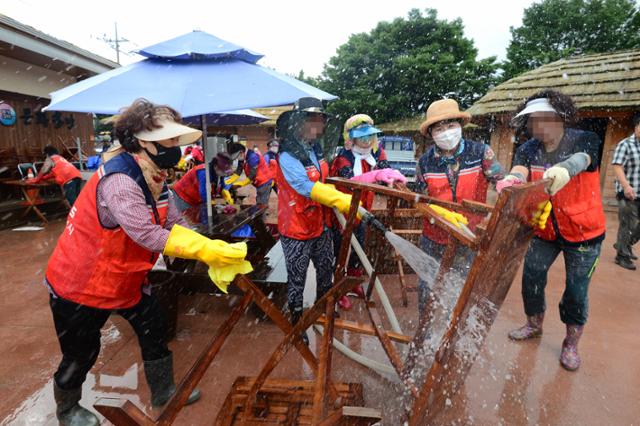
x=197 y=74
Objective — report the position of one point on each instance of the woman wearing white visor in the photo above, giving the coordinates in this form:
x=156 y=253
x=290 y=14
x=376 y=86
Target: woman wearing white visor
x=576 y=225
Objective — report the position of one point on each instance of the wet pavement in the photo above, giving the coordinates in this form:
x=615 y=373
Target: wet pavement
x=510 y=383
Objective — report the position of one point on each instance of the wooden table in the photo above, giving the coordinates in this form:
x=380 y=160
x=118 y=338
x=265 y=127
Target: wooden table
x=32 y=198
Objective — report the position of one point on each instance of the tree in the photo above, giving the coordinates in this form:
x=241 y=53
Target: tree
x=398 y=68
x=556 y=29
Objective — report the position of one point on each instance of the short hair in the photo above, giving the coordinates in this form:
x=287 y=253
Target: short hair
x=140 y=115
x=50 y=150
x=636 y=119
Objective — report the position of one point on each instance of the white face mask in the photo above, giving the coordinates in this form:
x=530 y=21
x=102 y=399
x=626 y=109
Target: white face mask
x=360 y=150
x=448 y=139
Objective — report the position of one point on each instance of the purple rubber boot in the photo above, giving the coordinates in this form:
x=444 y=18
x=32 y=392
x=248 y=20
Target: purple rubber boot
x=569 y=358
x=533 y=328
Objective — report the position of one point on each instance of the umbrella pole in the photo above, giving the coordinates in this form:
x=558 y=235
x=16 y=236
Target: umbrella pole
x=203 y=120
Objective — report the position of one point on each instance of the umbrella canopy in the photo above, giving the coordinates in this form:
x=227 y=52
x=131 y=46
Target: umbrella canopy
x=196 y=74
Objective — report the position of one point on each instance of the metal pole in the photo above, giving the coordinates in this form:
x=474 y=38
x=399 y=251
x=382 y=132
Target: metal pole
x=203 y=120
x=117 y=44
x=78 y=144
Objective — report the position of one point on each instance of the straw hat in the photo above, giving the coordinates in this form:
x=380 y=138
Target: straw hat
x=444 y=109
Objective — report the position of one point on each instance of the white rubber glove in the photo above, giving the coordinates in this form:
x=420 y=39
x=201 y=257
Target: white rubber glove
x=560 y=177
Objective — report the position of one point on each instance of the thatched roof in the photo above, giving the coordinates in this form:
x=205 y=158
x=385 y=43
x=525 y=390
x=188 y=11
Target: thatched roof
x=411 y=124
x=600 y=81
x=272 y=113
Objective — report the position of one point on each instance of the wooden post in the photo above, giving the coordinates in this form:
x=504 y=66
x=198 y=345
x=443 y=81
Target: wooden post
x=324 y=364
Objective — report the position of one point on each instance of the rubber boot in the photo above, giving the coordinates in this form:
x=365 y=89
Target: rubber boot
x=344 y=303
x=533 y=328
x=569 y=357
x=68 y=410
x=159 y=374
x=296 y=314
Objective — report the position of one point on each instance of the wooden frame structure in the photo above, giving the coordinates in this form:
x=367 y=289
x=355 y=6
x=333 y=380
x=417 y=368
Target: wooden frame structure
x=504 y=236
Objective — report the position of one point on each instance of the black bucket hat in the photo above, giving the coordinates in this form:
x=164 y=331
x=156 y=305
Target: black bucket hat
x=301 y=108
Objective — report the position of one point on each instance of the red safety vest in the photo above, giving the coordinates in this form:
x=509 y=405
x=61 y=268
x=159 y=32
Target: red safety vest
x=264 y=173
x=577 y=208
x=97 y=266
x=300 y=217
x=63 y=171
x=188 y=187
x=471 y=185
x=346 y=159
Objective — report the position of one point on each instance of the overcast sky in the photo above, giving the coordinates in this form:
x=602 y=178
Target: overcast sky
x=293 y=35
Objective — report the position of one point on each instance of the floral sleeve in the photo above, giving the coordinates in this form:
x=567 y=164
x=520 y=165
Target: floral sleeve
x=492 y=169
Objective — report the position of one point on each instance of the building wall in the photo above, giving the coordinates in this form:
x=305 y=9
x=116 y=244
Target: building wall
x=254 y=135
x=29 y=139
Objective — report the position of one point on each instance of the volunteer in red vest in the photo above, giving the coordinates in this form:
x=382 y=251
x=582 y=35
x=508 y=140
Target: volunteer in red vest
x=63 y=172
x=260 y=175
x=453 y=169
x=302 y=196
x=271 y=158
x=576 y=226
x=363 y=160
x=123 y=219
x=190 y=191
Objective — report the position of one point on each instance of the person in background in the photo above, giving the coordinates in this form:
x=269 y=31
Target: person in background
x=362 y=160
x=123 y=219
x=190 y=191
x=260 y=174
x=271 y=158
x=62 y=172
x=626 y=167
x=569 y=158
x=453 y=169
x=302 y=200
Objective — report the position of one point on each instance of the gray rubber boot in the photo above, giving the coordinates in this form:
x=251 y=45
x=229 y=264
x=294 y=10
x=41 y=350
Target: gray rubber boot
x=159 y=374
x=68 y=410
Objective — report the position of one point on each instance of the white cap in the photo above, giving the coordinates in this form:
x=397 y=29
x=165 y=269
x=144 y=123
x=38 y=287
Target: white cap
x=536 y=105
x=170 y=129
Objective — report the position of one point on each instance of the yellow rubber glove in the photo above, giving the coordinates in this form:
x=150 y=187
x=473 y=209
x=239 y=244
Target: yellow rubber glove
x=219 y=255
x=450 y=216
x=541 y=215
x=229 y=180
x=227 y=196
x=329 y=196
x=182 y=164
x=241 y=183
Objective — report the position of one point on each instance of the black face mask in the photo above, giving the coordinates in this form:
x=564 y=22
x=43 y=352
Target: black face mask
x=166 y=158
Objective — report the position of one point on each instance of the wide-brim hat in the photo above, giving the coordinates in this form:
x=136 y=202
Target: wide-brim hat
x=444 y=109
x=302 y=107
x=170 y=129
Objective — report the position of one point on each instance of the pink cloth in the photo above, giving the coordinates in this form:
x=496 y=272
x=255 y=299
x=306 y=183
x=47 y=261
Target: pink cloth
x=121 y=202
x=388 y=176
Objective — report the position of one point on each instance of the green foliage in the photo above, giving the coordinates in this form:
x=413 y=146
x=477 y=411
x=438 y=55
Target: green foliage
x=400 y=67
x=556 y=29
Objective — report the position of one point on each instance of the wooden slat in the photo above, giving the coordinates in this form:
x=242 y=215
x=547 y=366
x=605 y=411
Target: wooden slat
x=363 y=329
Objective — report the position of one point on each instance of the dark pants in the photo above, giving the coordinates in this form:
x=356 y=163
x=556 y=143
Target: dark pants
x=262 y=193
x=579 y=261
x=358 y=231
x=78 y=329
x=72 y=189
x=462 y=263
x=297 y=254
x=629 y=226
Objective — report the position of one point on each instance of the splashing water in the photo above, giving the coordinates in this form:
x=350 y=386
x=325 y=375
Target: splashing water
x=425 y=266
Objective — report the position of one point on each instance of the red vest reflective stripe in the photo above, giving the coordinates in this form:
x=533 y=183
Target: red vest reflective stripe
x=300 y=217
x=63 y=171
x=188 y=187
x=95 y=266
x=577 y=208
x=264 y=173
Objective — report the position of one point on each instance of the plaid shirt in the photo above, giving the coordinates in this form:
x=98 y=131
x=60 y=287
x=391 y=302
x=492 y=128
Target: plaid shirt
x=627 y=154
